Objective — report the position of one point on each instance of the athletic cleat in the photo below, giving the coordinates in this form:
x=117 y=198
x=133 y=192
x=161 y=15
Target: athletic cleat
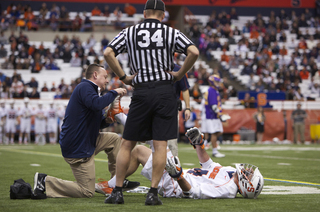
x=114 y=108
x=116 y=197
x=129 y=185
x=39 y=186
x=218 y=155
x=103 y=187
x=152 y=199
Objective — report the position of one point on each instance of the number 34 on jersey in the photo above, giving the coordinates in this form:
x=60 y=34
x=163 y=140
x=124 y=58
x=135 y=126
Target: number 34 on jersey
x=150 y=39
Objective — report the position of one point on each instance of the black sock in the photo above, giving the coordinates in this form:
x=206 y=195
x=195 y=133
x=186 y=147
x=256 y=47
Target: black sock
x=153 y=191
x=117 y=188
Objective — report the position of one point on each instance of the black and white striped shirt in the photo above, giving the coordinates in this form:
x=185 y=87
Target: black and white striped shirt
x=150 y=46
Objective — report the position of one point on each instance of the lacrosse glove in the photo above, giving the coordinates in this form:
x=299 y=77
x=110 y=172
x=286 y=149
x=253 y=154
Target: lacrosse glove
x=224 y=117
x=195 y=137
x=174 y=168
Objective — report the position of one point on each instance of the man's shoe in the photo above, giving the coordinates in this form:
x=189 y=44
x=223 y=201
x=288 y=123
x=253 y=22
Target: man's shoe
x=152 y=199
x=39 y=186
x=129 y=185
x=116 y=197
x=39 y=183
x=218 y=155
x=115 y=108
x=103 y=187
x=37 y=194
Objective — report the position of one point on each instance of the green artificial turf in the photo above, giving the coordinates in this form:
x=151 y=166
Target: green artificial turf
x=292 y=163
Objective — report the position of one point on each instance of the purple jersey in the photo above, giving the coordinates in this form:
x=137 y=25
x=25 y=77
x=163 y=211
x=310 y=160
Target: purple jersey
x=212 y=97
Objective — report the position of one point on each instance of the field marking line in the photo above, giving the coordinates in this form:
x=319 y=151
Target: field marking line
x=276 y=157
x=43 y=153
x=104 y=160
x=292 y=181
x=269 y=148
x=260 y=148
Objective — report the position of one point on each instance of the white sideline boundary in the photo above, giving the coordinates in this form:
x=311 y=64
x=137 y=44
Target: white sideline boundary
x=186 y=149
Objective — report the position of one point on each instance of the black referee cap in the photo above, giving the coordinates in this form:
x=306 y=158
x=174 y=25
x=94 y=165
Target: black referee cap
x=154 y=5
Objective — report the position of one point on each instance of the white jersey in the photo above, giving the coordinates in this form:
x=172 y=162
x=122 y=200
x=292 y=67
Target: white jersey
x=40 y=121
x=211 y=181
x=2 y=121
x=52 y=122
x=61 y=112
x=214 y=181
x=2 y=111
x=25 y=113
x=25 y=119
x=11 y=115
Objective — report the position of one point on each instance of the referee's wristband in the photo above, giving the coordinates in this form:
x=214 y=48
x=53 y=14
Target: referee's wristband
x=188 y=109
x=123 y=77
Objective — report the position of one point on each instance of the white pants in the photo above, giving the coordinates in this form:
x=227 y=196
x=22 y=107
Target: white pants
x=11 y=126
x=211 y=126
x=25 y=125
x=52 y=126
x=40 y=126
x=167 y=186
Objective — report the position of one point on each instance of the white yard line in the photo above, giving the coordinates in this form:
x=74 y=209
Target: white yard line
x=260 y=148
x=22 y=149
x=275 y=157
x=41 y=153
x=270 y=148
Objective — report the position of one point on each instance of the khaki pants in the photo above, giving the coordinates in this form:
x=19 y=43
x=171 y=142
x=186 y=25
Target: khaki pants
x=84 y=170
x=298 y=129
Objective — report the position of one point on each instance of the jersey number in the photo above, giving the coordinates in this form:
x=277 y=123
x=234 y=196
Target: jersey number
x=156 y=38
x=215 y=172
x=197 y=172
x=200 y=172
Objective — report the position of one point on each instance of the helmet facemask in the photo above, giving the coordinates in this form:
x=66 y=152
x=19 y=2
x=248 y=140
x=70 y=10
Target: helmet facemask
x=214 y=80
x=250 y=180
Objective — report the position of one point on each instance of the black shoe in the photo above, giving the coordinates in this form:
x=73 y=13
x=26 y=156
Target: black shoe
x=37 y=194
x=152 y=199
x=39 y=182
x=116 y=197
x=129 y=185
x=39 y=186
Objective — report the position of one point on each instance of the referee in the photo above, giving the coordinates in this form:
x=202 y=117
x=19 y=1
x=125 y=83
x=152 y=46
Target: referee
x=153 y=110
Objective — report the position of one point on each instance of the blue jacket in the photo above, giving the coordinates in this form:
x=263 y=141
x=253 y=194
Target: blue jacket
x=83 y=119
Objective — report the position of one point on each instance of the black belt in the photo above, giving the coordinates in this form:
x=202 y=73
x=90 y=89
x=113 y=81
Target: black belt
x=152 y=84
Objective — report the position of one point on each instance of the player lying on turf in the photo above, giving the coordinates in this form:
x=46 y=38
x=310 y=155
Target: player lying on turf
x=210 y=181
